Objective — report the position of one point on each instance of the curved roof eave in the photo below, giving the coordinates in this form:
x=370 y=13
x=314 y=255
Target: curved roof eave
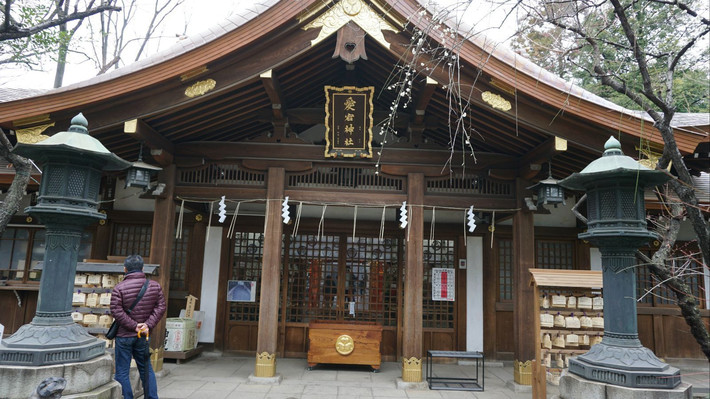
x=515 y=70
x=227 y=36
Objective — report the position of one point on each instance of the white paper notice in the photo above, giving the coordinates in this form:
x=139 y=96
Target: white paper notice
x=443 y=284
x=352 y=309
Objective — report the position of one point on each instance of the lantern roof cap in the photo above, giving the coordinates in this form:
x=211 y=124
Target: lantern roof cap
x=76 y=139
x=142 y=165
x=613 y=163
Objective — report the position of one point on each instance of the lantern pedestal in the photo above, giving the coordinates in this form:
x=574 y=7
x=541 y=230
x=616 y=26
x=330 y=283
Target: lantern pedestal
x=575 y=387
x=52 y=337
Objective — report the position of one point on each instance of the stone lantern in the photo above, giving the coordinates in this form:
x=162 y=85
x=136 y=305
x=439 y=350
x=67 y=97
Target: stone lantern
x=72 y=163
x=616 y=223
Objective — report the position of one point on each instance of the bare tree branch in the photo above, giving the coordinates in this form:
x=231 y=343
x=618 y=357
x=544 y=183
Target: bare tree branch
x=11 y=31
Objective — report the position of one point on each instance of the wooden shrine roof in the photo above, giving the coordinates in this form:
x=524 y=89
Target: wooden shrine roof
x=263 y=65
x=566 y=278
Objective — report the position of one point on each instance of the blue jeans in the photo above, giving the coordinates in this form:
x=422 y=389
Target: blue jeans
x=125 y=348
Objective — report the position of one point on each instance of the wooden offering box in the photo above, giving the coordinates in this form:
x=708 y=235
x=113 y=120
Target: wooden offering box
x=344 y=342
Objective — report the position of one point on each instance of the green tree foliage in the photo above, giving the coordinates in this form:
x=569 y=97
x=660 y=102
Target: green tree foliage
x=555 y=35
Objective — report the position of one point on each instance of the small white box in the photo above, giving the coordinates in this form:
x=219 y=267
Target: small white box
x=179 y=334
x=199 y=317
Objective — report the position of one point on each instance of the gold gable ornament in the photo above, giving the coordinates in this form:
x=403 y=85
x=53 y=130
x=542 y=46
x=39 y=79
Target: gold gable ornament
x=32 y=135
x=496 y=101
x=345 y=11
x=200 y=88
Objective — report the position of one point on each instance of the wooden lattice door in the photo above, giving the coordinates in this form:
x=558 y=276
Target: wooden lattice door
x=339 y=277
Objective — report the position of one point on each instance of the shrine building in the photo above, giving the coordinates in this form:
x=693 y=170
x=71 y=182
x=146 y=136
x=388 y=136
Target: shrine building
x=314 y=111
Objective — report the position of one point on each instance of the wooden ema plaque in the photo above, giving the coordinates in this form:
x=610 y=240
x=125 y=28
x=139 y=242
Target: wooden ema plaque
x=344 y=343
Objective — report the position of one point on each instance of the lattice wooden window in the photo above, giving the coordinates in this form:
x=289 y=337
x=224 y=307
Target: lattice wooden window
x=222 y=174
x=131 y=239
x=472 y=185
x=246 y=266
x=312 y=270
x=13 y=253
x=345 y=178
x=505 y=270
x=554 y=254
x=437 y=314
x=371 y=281
x=178 y=268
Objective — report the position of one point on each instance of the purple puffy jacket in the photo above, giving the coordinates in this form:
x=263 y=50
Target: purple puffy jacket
x=148 y=310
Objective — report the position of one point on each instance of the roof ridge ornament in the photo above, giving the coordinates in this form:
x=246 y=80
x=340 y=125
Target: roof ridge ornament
x=350 y=10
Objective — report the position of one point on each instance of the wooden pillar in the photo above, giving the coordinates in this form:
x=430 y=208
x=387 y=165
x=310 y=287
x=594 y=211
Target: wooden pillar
x=523 y=293
x=161 y=249
x=413 y=276
x=101 y=241
x=270 y=272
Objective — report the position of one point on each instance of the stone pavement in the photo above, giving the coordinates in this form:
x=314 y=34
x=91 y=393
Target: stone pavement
x=213 y=376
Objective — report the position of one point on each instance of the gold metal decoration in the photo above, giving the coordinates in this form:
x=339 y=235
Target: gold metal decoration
x=344 y=345
x=156 y=358
x=265 y=365
x=200 y=88
x=350 y=10
x=496 y=101
x=411 y=369
x=522 y=372
x=651 y=159
x=32 y=135
x=348 y=121
x=28 y=219
x=491 y=228
x=198 y=217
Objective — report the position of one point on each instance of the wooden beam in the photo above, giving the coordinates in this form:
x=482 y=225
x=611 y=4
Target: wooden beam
x=270 y=269
x=414 y=271
x=314 y=153
x=529 y=165
x=273 y=90
x=423 y=100
x=161 y=148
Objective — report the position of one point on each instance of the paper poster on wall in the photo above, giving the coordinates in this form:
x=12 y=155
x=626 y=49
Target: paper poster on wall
x=241 y=291
x=443 y=284
x=2 y=331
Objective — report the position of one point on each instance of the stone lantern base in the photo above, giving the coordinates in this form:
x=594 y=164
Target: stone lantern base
x=41 y=345
x=575 y=387
x=89 y=379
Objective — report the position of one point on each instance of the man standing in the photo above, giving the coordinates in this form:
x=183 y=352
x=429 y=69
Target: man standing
x=144 y=317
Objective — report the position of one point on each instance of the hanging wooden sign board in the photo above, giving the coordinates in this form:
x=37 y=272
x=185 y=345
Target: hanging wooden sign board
x=348 y=121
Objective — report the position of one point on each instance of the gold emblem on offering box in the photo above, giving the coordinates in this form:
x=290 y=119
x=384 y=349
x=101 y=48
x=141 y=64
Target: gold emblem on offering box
x=348 y=121
x=344 y=344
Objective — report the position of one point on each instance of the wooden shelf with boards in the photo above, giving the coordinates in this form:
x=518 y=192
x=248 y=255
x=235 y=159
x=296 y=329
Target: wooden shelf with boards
x=579 y=283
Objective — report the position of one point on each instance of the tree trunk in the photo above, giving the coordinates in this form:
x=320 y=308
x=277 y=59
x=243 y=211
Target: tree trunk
x=14 y=196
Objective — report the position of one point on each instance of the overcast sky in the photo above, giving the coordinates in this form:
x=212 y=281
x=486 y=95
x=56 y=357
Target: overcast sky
x=195 y=16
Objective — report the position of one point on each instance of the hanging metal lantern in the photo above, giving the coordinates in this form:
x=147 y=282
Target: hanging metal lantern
x=140 y=173
x=549 y=191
